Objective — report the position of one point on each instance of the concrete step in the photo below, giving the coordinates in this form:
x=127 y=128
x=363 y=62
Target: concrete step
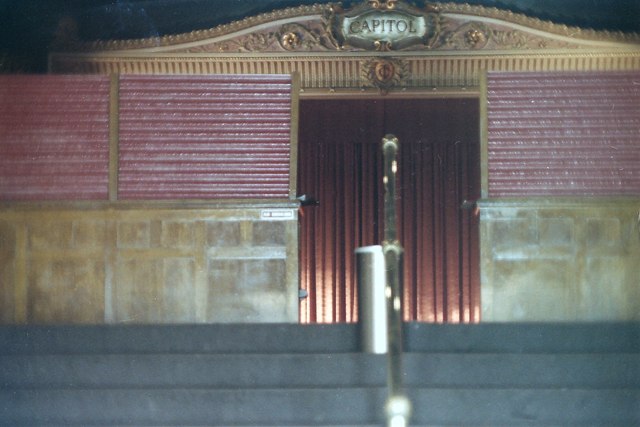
x=336 y=338
x=524 y=338
x=216 y=338
x=318 y=407
x=297 y=375
x=587 y=371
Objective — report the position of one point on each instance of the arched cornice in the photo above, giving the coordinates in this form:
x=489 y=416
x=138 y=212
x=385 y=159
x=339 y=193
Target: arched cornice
x=460 y=42
x=500 y=29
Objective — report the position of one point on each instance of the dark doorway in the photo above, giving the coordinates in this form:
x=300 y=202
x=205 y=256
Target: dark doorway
x=340 y=164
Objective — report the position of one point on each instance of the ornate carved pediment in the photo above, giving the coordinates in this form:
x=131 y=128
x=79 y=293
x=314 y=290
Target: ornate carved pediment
x=375 y=26
x=387 y=45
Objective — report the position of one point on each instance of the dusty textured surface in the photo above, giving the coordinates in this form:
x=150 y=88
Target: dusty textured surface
x=147 y=266
x=560 y=261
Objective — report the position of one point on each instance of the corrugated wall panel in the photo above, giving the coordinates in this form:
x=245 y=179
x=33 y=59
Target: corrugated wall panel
x=54 y=137
x=204 y=137
x=563 y=134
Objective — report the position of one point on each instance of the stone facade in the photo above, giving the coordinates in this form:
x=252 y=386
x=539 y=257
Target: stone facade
x=560 y=260
x=149 y=265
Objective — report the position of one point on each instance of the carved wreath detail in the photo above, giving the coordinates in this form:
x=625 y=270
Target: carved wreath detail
x=384 y=74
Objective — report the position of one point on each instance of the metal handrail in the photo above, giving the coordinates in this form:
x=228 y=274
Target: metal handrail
x=398 y=406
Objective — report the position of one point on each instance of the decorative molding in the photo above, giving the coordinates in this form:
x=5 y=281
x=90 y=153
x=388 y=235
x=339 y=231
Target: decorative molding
x=323 y=72
x=303 y=13
x=462 y=41
x=492 y=13
x=308 y=28
x=289 y=37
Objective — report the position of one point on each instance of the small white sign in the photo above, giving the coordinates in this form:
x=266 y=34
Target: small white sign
x=277 y=214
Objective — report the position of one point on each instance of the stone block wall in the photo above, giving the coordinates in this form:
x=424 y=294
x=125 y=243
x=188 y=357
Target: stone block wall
x=127 y=264
x=561 y=260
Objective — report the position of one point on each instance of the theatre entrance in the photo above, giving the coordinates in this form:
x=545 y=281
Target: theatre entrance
x=340 y=167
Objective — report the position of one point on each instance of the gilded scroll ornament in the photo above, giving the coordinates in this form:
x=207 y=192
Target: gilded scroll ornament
x=298 y=37
x=308 y=37
x=477 y=35
x=382 y=46
x=514 y=39
x=383 y=5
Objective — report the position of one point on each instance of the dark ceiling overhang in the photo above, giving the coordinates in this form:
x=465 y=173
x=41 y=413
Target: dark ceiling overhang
x=147 y=18
x=28 y=27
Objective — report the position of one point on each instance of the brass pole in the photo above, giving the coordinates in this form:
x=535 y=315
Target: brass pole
x=398 y=407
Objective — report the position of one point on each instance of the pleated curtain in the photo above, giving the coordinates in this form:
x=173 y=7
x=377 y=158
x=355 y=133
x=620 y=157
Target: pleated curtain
x=340 y=165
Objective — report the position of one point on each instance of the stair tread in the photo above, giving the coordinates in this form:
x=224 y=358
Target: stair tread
x=342 y=406
x=336 y=338
x=254 y=370
x=314 y=375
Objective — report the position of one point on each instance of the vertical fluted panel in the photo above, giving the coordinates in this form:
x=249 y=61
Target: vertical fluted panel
x=563 y=134
x=54 y=137
x=204 y=137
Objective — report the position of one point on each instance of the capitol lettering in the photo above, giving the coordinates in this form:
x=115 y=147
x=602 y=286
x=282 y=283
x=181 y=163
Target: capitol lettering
x=382 y=26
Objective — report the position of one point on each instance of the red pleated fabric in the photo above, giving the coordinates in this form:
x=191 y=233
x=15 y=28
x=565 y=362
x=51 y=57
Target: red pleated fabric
x=340 y=164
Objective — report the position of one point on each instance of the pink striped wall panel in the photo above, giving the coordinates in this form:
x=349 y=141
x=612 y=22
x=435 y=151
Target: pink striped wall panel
x=204 y=137
x=54 y=137
x=564 y=134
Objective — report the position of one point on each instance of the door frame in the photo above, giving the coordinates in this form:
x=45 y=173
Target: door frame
x=421 y=95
